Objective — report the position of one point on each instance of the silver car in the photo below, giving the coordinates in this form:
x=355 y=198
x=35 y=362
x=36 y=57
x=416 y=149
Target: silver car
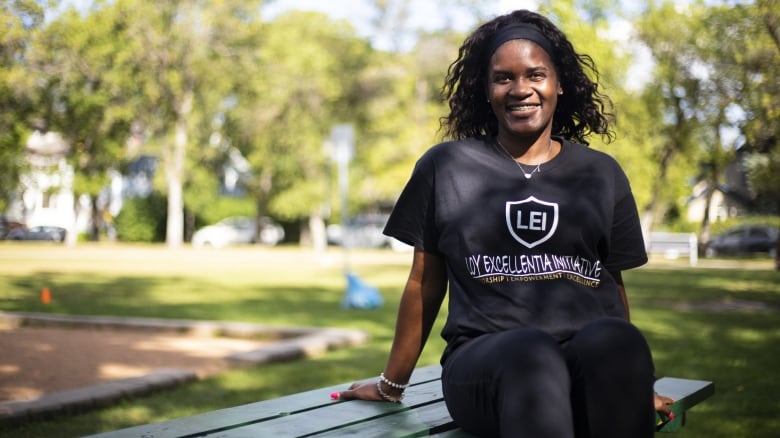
x=364 y=231
x=238 y=230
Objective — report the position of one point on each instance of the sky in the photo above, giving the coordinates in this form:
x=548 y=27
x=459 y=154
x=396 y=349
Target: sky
x=425 y=14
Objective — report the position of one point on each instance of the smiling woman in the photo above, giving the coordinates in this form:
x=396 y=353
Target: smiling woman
x=528 y=231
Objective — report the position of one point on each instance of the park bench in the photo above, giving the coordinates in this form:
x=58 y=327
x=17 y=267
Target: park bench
x=674 y=245
x=314 y=414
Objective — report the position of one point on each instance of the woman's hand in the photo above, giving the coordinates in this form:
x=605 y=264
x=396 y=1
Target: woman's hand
x=369 y=391
x=366 y=391
x=359 y=391
x=663 y=405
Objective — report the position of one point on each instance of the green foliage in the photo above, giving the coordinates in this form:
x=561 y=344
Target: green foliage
x=75 y=62
x=288 y=105
x=142 y=219
x=12 y=165
x=763 y=171
x=752 y=57
x=20 y=19
x=721 y=226
x=403 y=106
x=226 y=206
x=713 y=70
x=676 y=103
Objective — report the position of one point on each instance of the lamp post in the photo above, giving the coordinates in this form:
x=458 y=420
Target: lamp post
x=342 y=137
x=358 y=294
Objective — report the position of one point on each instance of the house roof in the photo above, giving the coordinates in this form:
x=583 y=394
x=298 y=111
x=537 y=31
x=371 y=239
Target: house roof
x=49 y=143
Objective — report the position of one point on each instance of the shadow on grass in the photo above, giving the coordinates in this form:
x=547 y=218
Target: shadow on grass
x=151 y=297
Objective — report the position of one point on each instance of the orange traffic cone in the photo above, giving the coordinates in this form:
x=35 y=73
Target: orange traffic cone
x=45 y=296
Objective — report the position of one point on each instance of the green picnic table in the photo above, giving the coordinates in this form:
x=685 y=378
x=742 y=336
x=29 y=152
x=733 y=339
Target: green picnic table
x=314 y=414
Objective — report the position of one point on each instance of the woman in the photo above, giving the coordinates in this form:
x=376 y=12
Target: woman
x=530 y=230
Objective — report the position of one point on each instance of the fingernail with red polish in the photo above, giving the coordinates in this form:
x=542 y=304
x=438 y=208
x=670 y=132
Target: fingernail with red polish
x=335 y=395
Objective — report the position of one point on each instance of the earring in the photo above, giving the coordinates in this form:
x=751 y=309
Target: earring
x=560 y=92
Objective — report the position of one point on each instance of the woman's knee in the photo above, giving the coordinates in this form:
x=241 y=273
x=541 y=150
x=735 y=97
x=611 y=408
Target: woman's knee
x=611 y=340
x=611 y=333
x=525 y=344
x=512 y=354
x=529 y=358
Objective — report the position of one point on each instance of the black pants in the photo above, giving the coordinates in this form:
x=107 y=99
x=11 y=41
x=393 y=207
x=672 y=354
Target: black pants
x=523 y=384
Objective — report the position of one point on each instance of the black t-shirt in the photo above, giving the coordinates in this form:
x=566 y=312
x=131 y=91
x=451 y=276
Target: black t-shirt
x=521 y=252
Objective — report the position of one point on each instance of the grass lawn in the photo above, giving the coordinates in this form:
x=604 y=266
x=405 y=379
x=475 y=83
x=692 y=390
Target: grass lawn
x=735 y=347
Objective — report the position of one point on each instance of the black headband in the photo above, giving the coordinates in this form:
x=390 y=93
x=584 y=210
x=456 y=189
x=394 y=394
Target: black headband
x=520 y=31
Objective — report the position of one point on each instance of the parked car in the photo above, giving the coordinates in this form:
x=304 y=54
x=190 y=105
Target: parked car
x=364 y=231
x=40 y=232
x=7 y=227
x=238 y=230
x=744 y=240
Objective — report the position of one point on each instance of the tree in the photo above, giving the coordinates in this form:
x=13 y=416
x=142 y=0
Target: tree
x=590 y=26
x=188 y=57
x=751 y=55
x=85 y=97
x=676 y=96
x=403 y=105
x=717 y=73
x=20 y=20
x=293 y=94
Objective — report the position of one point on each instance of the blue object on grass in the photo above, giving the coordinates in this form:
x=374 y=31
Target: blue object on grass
x=360 y=295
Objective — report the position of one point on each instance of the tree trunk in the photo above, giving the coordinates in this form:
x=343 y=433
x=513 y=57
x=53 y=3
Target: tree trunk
x=317 y=231
x=189 y=225
x=174 y=170
x=261 y=201
x=704 y=235
x=654 y=209
x=96 y=220
x=71 y=233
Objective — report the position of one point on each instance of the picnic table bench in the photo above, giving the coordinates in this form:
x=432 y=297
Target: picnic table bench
x=314 y=414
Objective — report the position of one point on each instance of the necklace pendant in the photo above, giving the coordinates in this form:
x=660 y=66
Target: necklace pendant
x=527 y=175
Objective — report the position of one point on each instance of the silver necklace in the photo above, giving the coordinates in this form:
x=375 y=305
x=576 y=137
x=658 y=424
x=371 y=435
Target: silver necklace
x=526 y=174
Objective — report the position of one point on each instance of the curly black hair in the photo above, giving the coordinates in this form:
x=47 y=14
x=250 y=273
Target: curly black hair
x=581 y=111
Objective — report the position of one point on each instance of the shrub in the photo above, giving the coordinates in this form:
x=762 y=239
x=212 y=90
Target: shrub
x=720 y=226
x=142 y=219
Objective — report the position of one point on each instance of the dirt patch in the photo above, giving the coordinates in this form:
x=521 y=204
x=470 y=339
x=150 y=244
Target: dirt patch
x=35 y=361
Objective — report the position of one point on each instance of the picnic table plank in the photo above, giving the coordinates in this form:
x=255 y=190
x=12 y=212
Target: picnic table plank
x=314 y=414
x=686 y=394
x=340 y=414
x=422 y=420
x=222 y=419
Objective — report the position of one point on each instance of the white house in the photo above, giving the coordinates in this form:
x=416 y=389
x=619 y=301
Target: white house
x=46 y=189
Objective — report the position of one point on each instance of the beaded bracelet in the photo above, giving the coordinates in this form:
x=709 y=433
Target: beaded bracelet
x=391 y=383
x=385 y=396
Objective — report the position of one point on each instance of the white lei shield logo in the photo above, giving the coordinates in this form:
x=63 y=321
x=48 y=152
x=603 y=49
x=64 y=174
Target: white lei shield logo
x=531 y=221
